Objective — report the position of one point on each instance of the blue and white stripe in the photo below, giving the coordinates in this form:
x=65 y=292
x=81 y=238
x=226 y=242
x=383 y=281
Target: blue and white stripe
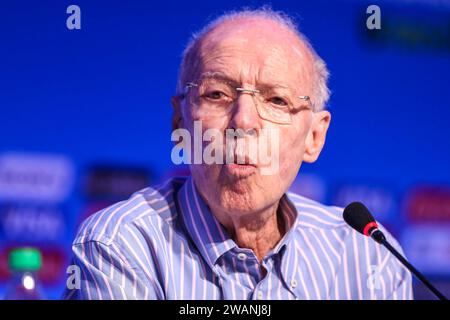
x=164 y=243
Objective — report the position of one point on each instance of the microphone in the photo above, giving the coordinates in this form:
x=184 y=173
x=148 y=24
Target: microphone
x=359 y=218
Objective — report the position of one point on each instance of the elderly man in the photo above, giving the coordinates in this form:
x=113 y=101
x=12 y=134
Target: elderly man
x=229 y=231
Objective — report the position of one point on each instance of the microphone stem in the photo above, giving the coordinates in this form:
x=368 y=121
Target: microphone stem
x=416 y=272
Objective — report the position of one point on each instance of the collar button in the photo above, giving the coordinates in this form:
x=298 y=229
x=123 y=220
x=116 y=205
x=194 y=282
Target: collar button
x=242 y=256
x=293 y=283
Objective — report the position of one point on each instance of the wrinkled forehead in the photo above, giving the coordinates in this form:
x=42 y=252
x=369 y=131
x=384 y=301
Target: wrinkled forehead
x=256 y=52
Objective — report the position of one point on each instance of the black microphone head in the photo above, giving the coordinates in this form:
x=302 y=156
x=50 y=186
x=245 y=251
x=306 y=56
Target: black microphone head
x=359 y=218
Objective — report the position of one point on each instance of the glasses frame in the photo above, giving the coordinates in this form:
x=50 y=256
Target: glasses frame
x=240 y=89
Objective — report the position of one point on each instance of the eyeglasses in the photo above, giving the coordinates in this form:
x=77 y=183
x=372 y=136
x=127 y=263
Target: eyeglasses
x=213 y=96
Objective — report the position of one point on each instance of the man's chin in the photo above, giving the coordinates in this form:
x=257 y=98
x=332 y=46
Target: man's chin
x=240 y=198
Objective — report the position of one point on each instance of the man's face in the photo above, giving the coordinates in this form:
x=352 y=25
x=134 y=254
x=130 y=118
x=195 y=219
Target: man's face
x=255 y=53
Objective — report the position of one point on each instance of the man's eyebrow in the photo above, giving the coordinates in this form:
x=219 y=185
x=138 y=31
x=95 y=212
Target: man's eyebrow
x=224 y=77
x=218 y=76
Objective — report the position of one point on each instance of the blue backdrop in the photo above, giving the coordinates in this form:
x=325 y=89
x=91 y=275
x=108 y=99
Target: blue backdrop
x=101 y=95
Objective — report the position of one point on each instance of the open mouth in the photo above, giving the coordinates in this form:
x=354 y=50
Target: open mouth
x=244 y=161
x=238 y=163
x=241 y=169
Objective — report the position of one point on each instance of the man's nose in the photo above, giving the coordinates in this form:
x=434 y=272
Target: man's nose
x=245 y=115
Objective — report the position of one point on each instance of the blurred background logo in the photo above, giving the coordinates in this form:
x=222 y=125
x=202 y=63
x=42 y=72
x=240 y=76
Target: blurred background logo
x=86 y=117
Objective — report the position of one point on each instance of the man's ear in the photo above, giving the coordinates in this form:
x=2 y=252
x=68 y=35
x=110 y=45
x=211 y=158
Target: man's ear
x=315 y=139
x=176 y=117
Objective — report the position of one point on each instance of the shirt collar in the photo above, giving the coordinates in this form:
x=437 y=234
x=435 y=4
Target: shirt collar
x=290 y=217
x=209 y=236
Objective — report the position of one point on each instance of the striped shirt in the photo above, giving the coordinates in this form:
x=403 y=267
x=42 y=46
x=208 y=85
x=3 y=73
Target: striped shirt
x=164 y=243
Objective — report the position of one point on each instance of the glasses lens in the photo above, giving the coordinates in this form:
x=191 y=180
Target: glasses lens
x=212 y=95
x=276 y=104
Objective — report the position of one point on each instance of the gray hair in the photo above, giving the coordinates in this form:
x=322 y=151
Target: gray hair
x=189 y=60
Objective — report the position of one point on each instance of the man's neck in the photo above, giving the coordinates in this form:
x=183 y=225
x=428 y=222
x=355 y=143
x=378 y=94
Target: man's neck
x=259 y=231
